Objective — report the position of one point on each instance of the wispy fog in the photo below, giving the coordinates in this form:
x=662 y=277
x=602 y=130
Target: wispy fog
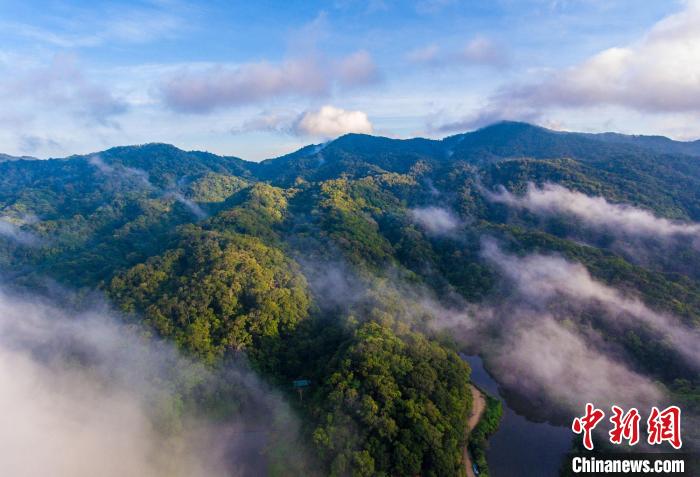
x=595 y=211
x=534 y=341
x=533 y=348
x=535 y=332
x=551 y=361
x=141 y=177
x=11 y=229
x=121 y=171
x=540 y=279
x=195 y=209
x=435 y=220
x=83 y=395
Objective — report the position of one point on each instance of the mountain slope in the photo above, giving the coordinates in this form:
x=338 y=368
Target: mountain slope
x=353 y=154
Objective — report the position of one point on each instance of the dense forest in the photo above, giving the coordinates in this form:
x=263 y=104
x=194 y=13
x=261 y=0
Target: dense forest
x=365 y=265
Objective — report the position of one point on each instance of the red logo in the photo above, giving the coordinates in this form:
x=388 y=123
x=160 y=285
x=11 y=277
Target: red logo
x=587 y=423
x=626 y=426
x=662 y=426
x=665 y=426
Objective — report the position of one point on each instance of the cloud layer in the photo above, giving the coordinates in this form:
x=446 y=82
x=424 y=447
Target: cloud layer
x=534 y=333
x=223 y=87
x=62 y=84
x=90 y=396
x=538 y=347
x=141 y=177
x=534 y=348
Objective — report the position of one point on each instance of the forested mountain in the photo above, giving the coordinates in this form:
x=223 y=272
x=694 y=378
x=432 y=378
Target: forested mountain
x=5 y=157
x=366 y=264
x=657 y=143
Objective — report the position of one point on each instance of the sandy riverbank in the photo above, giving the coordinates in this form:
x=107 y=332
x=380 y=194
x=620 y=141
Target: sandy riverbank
x=478 y=408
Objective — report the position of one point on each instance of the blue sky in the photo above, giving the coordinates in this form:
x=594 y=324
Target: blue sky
x=259 y=79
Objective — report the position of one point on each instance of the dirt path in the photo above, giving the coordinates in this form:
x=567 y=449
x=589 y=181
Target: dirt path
x=478 y=407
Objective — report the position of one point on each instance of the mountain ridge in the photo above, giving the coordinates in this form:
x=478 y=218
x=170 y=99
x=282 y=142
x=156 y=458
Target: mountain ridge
x=361 y=142
x=7 y=157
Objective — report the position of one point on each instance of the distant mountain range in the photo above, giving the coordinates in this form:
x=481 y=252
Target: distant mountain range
x=657 y=143
x=506 y=139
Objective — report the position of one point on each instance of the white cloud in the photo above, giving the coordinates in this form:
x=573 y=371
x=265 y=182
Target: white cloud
x=326 y=122
x=537 y=344
x=485 y=117
x=547 y=358
x=123 y=172
x=330 y=121
x=190 y=205
x=534 y=347
x=658 y=73
x=270 y=121
x=204 y=90
x=141 y=177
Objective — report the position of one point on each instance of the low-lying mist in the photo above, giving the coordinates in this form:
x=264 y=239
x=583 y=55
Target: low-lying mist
x=541 y=279
x=11 y=229
x=84 y=394
x=531 y=332
x=597 y=212
x=436 y=221
x=140 y=177
x=543 y=347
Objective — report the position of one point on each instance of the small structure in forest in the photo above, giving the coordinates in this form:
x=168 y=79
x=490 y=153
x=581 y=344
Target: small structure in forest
x=300 y=384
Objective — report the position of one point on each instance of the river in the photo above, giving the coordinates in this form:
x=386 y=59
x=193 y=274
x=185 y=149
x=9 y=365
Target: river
x=520 y=447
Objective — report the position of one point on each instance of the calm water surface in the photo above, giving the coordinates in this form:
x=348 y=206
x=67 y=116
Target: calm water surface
x=520 y=447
